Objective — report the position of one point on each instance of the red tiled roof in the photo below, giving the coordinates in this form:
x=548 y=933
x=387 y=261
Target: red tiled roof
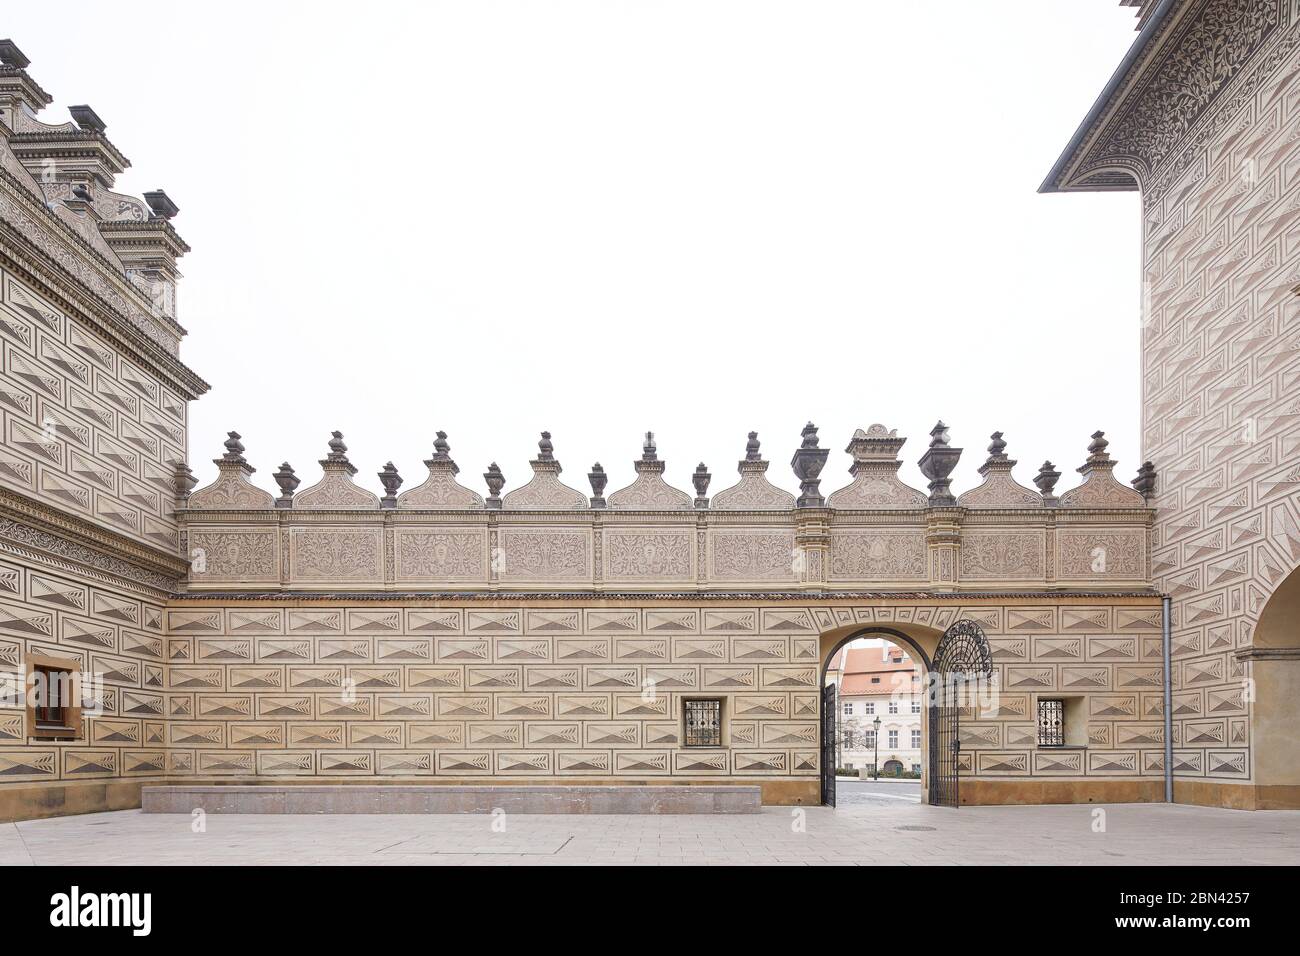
x=864 y=663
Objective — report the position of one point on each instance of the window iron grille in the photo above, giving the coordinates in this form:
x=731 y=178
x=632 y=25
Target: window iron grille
x=703 y=723
x=1051 y=723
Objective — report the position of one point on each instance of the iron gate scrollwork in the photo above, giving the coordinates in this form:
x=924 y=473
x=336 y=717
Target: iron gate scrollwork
x=962 y=667
x=828 y=745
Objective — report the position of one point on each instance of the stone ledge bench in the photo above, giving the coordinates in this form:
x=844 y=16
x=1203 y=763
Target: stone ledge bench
x=444 y=798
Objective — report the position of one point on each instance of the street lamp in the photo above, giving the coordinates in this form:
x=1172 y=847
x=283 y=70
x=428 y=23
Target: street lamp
x=875 y=764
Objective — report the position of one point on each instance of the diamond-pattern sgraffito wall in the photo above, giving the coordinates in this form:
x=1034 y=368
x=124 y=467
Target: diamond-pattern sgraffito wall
x=1221 y=412
x=545 y=692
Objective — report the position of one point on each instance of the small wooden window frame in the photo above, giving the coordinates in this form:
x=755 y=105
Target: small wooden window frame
x=71 y=729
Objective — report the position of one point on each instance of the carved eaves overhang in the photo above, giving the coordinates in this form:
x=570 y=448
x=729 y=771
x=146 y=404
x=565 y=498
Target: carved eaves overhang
x=1157 y=106
x=76 y=277
x=31 y=529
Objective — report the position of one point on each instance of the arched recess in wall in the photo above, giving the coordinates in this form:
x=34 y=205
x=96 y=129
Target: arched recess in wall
x=1274 y=658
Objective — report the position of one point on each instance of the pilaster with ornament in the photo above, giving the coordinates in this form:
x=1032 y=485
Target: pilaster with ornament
x=943 y=546
x=812 y=538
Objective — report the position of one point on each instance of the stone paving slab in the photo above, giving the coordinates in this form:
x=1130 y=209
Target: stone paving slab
x=897 y=833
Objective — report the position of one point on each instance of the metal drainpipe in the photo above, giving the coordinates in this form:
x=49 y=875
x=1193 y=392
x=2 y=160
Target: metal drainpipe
x=1169 y=701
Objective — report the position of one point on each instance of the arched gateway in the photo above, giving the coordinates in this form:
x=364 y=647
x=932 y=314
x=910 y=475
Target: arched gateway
x=958 y=677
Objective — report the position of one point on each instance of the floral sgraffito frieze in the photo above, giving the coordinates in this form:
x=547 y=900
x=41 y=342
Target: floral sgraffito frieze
x=753 y=556
x=1092 y=555
x=336 y=555
x=1218 y=42
x=877 y=557
x=542 y=556
x=232 y=556
x=650 y=555
x=441 y=555
x=1002 y=555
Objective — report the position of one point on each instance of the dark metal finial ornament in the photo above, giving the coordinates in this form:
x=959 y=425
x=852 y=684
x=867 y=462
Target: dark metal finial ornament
x=997 y=446
x=937 y=464
x=440 y=446
x=1046 y=480
x=337 y=448
x=1097 y=446
x=751 y=448
x=545 y=450
x=287 y=481
x=701 y=479
x=649 y=451
x=598 y=480
x=234 y=447
x=391 y=481
x=495 y=482
x=807 y=465
x=1145 y=482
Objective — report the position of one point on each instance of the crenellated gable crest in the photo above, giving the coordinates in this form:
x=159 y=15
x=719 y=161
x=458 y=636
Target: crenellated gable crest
x=753 y=492
x=999 y=489
x=545 y=492
x=875 y=466
x=336 y=489
x=441 y=491
x=231 y=491
x=649 y=492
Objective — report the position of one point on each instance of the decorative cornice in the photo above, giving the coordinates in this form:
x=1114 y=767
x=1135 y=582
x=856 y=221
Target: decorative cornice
x=352 y=597
x=55 y=282
x=18 y=507
x=1186 y=55
x=67 y=548
x=37 y=230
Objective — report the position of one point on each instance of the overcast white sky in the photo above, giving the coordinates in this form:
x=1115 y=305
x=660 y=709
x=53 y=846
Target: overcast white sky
x=697 y=217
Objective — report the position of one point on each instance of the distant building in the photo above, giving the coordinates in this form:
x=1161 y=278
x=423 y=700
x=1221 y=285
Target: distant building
x=877 y=683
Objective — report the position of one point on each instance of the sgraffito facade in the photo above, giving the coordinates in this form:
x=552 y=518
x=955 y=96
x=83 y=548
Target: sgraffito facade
x=444 y=635
x=1204 y=119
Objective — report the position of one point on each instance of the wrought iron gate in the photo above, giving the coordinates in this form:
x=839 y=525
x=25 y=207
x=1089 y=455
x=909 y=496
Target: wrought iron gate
x=962 y=665
x=828 y=745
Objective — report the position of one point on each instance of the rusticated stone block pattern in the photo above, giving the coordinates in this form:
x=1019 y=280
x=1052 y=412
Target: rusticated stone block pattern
x=1221 y=377
x=116 y=636
x=479 y=691
x=82 y=427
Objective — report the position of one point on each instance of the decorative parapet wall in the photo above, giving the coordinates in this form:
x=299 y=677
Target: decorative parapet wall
x=875 y=534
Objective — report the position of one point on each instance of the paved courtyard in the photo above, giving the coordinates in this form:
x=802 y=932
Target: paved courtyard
x=895 y=831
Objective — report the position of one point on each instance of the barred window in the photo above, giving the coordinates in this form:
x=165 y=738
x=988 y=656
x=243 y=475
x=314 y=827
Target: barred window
x=1051 y=723
x=703 y=723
